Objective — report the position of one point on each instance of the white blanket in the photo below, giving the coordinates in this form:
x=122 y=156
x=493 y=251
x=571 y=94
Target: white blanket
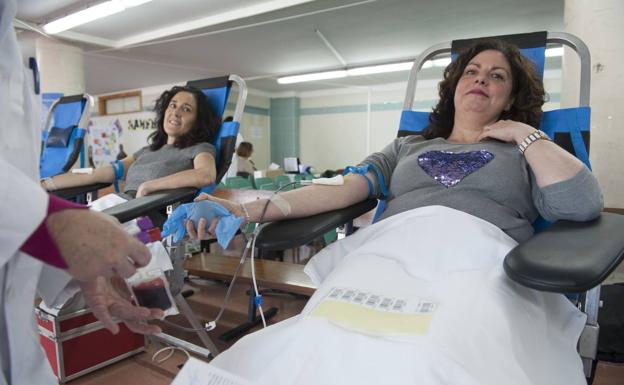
x=485 y=329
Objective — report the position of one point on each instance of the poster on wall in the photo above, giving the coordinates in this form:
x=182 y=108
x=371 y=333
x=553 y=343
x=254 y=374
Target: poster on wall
x=108 y=133
x=104 y=135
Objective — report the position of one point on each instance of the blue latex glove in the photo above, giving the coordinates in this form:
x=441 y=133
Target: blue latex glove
x=226 y=228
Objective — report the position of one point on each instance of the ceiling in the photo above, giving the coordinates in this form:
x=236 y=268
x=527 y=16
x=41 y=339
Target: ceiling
x=168 y=41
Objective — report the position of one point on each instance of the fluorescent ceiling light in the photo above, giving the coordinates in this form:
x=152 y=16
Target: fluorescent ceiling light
x=377 y=69
x=394 y=67
x=134 y=3
x=552 y=52
x=382 y=68
x=437 y=63
x=92 y=13
x=312 y=76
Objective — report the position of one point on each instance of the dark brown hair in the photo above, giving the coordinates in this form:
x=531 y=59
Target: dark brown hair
x=527 y=89
x=244 y=149
x=204 y=128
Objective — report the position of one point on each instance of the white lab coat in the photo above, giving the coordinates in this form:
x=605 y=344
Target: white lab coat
x=24 y=205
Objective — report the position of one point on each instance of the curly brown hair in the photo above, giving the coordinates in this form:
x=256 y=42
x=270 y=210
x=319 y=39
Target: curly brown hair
x=204 y=129
x=527 y=89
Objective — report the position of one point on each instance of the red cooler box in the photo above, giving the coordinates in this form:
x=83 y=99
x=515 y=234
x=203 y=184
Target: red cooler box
x=76 y=343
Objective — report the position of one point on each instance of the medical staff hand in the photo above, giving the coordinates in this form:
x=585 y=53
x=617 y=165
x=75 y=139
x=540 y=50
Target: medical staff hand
x=110 y=297
x=94 y=244
x=200 y=233
x=508 y=131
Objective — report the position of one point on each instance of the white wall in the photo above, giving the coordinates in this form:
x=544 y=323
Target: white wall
x=599 y=24
x=332 y=140
x=61 y=67
x=256 y=127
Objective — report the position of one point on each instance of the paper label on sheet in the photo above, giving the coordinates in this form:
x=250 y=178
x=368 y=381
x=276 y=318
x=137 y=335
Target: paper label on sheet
x=375 y=314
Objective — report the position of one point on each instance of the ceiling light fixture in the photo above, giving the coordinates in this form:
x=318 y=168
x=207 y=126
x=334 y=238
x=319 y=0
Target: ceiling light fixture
x=89 y=14
x=383 y=68
x=312 y=76
x=358 y=71
x=552 y=52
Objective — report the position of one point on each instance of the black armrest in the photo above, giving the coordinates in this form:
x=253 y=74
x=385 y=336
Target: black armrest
x=144 y=205
x=71 y=192
x=291 y=233
x=569 y=257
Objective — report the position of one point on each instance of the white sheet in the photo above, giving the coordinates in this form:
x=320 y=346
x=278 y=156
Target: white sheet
x=485 y=329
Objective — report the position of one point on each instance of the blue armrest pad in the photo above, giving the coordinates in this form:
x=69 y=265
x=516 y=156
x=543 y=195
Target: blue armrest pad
x=59 y=137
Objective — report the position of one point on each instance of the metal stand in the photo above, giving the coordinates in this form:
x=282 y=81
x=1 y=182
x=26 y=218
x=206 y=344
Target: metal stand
x=176 y=282
x=210 y=347
x=588 y=342
x=253 y=320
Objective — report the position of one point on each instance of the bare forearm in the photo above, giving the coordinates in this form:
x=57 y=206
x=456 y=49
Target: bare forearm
x=551 y=163
x=102 y=174
x=189 y=178
x=310 y=200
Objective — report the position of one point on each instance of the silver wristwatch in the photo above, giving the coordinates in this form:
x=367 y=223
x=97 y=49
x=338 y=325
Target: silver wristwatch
x=532 y=138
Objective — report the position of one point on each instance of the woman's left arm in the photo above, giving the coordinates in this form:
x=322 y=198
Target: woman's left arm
x=549 y=162
x=564 y=187
x=203 y=173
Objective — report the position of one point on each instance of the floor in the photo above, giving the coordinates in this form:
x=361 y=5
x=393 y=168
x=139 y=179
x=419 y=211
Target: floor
x=141 y=370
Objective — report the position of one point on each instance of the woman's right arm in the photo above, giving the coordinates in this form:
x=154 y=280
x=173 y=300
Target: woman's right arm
x=102 y=174
x=310 y=200
x=302 y=202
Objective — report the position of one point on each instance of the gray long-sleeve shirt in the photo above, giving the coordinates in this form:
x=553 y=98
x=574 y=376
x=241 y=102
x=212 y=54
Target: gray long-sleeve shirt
x=165 y=161
x=490 y=180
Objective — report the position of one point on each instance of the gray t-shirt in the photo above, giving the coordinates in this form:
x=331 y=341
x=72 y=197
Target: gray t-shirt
x=165 y=161
x=490 y=180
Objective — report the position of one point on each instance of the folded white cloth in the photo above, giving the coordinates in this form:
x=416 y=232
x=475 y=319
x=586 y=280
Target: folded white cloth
x=485 y=329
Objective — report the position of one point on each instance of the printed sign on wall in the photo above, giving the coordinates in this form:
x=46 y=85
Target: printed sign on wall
x=104 y=136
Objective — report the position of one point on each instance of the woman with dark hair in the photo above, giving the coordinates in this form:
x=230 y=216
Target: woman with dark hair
x=180 y=153
x=488 y=113
x=526 y=86
x=244 y=166
x=421 y=296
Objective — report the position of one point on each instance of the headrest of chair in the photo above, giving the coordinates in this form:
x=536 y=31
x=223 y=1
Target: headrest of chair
x=216 y=89
x=68 y=111
x=59 y=137
x=532 y=45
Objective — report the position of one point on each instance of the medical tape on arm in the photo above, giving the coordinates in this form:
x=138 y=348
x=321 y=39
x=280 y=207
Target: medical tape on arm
x=118 y=172
x=363 y=170
x=281 y=203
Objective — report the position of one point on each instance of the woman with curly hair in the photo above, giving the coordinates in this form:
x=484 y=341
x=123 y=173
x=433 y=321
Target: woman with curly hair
x=180 y=153
x=468 y=158
x=420 y=296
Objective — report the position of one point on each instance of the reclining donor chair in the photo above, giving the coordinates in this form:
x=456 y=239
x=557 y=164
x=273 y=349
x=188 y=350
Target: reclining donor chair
x=218 y=91
x=63 y=136
x=565 y=257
